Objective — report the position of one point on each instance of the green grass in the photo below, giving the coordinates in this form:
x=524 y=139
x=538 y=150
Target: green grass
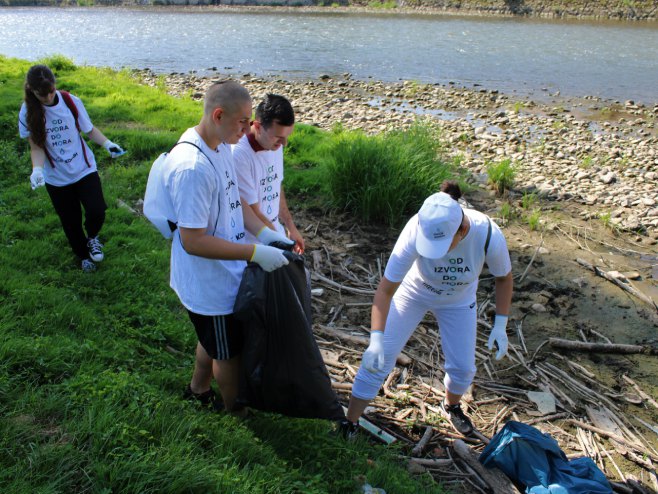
x=528 y=200
x=380 y=4
x=586 y=162
x=385 y=178
x=92 y=366
x=501 y=175
x=506 y=212
x=533 y=218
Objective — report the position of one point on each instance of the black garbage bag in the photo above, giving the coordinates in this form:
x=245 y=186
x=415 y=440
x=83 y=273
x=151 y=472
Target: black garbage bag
x=282 y=368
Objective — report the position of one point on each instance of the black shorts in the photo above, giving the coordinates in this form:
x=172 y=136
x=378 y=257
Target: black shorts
x=221 y=336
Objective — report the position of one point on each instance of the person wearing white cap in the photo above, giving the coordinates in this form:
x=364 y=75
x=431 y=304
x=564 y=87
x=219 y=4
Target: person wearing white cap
x=435 y=266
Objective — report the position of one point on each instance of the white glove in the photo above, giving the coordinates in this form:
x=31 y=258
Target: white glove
x=36 y=179
x=499 y=336
x=114 y=149
x=268 y=258
x=266 y=236
x=373 y=357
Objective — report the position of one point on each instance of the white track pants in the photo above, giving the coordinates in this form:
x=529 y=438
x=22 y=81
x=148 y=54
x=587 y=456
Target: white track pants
x=457 y=328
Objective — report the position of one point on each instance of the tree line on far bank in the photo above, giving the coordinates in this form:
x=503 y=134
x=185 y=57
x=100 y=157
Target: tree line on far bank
x=604 y=9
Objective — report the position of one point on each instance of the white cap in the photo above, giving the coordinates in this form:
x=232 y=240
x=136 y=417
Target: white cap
x=438 y=221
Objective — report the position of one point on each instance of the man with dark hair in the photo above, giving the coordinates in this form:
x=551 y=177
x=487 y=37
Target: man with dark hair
x=208 y=251
x=258 y=160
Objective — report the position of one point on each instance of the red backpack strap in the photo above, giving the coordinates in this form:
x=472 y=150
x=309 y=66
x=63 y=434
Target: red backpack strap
x=74 y=111
x=71 y=106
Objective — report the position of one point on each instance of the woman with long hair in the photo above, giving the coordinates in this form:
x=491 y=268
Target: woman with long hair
x=435 y=266
x=52 y=121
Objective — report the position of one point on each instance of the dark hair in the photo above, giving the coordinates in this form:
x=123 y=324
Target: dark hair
x=275 y=109
x=41 y=80
x=451 y=188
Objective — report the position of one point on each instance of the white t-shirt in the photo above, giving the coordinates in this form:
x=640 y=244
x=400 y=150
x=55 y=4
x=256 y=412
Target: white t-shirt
x=204 y=195
x=453 y=279
x=63 y=142
x=260 y=174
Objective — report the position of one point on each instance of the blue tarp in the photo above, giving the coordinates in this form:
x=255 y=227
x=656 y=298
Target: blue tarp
x=534 y=459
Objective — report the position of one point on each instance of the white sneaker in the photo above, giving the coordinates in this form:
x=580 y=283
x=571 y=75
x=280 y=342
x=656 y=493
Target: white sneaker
x=95 y=249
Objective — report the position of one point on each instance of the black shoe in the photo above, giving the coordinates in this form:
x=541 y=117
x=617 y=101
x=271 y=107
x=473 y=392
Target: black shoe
x=207 y=398
x=458 y=419
x=348 y=430
x=95 y=249
x=88 y=266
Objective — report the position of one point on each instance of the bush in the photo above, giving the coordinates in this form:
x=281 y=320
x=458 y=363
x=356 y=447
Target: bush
x=501 y=175
x=58 y=63
x=385 y=178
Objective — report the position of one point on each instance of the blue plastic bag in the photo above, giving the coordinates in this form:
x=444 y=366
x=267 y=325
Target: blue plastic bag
x=534 y=459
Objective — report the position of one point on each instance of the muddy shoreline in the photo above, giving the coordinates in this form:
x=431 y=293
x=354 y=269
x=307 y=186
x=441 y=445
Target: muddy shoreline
x=599 y=155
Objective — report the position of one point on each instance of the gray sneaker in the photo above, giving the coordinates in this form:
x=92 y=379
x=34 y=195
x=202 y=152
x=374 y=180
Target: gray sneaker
x=458 y=419
x=88 y=266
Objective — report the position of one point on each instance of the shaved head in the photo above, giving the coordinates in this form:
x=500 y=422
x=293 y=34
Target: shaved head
x=227 y=95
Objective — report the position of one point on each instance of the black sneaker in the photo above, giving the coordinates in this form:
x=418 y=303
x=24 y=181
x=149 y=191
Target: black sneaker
x=95 y=249
x=207 y=398
x=458 y=419
x=348 y=430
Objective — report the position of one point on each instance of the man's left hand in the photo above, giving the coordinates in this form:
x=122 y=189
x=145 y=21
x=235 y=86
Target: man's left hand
x=267 y=236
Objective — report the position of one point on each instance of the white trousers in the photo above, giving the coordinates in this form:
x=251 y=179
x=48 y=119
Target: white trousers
x=457 y=327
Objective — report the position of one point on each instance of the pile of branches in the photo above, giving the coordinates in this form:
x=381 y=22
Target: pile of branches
x=583 y=414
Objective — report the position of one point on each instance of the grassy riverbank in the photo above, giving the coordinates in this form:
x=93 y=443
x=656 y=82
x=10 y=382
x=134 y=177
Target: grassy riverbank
x=92 y=367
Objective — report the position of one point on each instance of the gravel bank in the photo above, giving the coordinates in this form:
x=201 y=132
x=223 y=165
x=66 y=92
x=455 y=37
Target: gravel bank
x=601 y=154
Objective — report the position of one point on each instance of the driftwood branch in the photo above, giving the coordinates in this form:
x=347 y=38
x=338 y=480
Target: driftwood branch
x=614 y=437
x=624 y=286
x=431 y=462
x=601 y=347
x=639 y=391
x=427 y=435
x=337 y=286
x=531 y=261
x=495 y=479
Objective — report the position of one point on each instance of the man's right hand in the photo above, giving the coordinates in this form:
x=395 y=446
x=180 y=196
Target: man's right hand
x=268 y=258
x=36 y=179
x=373 y=357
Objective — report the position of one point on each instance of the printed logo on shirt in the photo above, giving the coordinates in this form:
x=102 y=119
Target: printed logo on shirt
x=236 y=205
x=452 y=272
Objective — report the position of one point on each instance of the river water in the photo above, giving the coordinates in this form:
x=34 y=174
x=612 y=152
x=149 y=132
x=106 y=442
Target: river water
x=612 y=60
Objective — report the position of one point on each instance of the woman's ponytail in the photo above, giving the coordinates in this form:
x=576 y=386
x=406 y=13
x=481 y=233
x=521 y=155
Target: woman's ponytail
x=451 y=188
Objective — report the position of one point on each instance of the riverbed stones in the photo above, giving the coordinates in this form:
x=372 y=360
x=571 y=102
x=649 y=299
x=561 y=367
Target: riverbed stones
x=611 y=166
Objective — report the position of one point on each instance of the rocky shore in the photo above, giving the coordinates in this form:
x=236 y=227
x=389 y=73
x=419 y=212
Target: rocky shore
x=599 y=155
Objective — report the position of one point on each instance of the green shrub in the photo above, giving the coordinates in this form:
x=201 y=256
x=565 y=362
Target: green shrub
x=506 y=211
x=58 y=63
x=534 y=219
x=378 y=4
x=384 y=178
x=528 y=200
x=501 y=175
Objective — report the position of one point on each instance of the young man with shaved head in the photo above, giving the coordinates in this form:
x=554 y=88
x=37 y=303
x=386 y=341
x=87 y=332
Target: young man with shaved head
x=259 y=163
x=209 y=253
